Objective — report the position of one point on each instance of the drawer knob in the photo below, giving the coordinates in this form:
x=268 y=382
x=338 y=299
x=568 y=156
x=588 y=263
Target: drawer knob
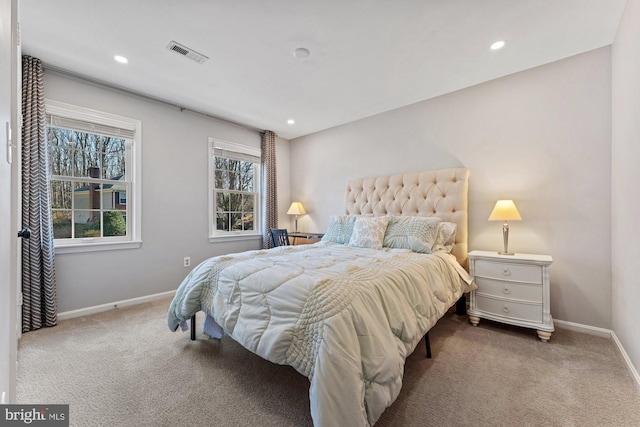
x=505 y=308
x=506 y=272
x=506 y=290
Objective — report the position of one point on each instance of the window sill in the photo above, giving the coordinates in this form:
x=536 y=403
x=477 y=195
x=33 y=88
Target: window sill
x=95 y=247
x=234 y=238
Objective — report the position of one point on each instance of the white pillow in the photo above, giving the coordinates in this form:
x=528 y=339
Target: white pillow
x=446 y=237
x=368 y=232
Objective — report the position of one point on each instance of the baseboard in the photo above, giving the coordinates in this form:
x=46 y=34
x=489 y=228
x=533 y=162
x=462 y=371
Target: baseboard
x=605 y=333
x=579 y=327
x=113 y=305
x=625 y=356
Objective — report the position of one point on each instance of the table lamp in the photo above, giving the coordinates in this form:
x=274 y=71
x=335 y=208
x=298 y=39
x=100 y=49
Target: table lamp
x=296 y=209
x=505 y=210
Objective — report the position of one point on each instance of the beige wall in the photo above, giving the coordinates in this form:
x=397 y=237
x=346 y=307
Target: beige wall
x=541 y=137
x=174 y=199
x=626 y=181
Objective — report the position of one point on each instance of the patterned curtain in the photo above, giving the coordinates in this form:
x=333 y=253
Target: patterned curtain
x=38 y=275
x=269 y=187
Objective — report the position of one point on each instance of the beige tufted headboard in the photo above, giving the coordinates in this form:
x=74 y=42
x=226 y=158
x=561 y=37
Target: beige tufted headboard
x=441 y=193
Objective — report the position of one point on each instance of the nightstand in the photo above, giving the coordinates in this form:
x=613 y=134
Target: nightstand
x=512 y=289
x=300 y=238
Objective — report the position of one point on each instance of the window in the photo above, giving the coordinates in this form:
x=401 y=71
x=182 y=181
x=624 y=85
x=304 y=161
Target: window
x=94 y=159
x=234 y=188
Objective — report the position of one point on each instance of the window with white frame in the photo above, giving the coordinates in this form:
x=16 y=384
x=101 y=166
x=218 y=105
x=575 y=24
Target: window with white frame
x=94 y=161
x=234 y=189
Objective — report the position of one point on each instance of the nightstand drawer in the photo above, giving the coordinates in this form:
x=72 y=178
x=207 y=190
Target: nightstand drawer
x=504 y=289
x=510 y=309
x=508 y=271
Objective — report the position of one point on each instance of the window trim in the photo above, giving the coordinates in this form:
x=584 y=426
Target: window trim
x=214 y=236
x=134 y=201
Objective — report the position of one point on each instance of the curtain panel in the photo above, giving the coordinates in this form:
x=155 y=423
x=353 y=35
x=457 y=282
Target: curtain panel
x=269 y=187
x=39 y=298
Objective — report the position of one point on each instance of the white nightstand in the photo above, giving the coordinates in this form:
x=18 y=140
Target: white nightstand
x=512 y=289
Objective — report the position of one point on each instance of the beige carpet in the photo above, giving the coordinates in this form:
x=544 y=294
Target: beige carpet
x=124 y=368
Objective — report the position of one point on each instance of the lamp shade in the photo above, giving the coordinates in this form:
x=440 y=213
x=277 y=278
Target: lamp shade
x=505 y=210
x=296 y=208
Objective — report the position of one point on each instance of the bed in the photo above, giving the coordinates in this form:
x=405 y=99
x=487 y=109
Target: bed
x=345 y=312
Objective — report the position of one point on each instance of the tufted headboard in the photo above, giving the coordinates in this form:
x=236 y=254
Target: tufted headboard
x=441 y=193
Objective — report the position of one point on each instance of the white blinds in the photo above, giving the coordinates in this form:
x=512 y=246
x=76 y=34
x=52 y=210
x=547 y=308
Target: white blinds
x=235 y=155
x=83 y=126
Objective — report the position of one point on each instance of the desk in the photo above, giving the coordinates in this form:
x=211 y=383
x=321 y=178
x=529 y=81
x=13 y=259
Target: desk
x=300 y=238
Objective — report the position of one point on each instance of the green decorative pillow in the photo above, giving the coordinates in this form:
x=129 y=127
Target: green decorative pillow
x=368 y=232
x=340 y=229
x=417 y=233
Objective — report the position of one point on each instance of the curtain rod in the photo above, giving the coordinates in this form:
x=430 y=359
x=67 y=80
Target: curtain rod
x=98 y=82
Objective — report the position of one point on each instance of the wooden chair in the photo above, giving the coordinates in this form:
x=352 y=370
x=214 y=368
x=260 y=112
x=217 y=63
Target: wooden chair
x=280 y=237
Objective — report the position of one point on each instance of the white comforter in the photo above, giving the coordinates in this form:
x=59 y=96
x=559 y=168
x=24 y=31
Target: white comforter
x=345 y=317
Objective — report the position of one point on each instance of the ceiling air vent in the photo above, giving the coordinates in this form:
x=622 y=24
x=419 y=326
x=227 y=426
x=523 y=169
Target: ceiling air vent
x=187 y=52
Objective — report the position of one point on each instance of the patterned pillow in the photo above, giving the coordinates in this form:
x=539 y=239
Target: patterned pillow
x=340 y=229
x=368 y=232
x=417 y=233
x=446 y=237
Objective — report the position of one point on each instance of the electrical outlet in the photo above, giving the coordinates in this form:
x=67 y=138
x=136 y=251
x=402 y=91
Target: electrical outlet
x=187 y=262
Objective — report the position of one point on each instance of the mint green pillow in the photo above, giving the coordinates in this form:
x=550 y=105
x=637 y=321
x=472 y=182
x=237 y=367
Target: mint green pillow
x=340 y=229
x=417 y=233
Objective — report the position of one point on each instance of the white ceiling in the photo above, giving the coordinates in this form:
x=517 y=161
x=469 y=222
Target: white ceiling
x=367 y=56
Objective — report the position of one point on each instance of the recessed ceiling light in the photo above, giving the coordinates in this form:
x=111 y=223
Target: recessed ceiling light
x=121 y=59
x=497 y=45
x=301 y=53
x=291 y=122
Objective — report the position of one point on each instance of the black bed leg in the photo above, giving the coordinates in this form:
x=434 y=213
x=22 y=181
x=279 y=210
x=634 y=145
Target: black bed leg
x=193 y=327
x=461 y=306
x=427 y=345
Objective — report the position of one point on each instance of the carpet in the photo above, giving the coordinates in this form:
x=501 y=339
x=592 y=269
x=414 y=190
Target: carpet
x=125 y=368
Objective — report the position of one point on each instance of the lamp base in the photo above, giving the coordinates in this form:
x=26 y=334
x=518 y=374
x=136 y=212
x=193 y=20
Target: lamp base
x=505 y=239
